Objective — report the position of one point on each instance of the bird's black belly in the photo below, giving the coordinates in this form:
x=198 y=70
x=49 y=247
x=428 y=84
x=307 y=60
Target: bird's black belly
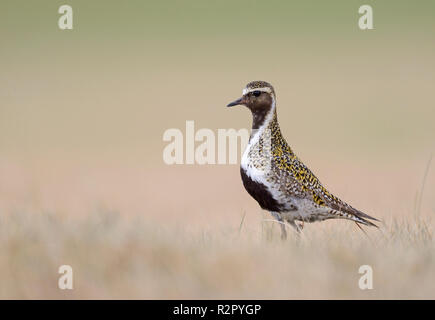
x=260 y=193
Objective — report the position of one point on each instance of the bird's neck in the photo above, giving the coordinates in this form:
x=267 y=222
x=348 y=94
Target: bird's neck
x=261 y=119
x=265 y=127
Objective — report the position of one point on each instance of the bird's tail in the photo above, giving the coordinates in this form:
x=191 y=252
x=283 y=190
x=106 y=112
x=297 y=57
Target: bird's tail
x=359 y=217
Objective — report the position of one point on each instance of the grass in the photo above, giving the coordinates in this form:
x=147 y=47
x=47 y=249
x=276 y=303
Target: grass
x=419 y=195
x=115 y=257
x=131 y=232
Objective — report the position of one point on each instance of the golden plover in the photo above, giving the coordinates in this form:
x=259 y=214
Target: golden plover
x=275 y=177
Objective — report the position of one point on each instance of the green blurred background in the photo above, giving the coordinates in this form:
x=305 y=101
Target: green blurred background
x=130 y=70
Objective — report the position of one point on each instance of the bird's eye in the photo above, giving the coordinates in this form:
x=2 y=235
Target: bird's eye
x=256 y=93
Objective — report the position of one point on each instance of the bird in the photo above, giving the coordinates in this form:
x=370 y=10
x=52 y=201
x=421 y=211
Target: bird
x=276 y=178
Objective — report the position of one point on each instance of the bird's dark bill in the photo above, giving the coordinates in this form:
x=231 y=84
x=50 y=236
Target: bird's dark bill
x=235 y=103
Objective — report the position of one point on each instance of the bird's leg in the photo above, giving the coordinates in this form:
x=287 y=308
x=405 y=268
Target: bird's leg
x=278 y=217
x=296 y=226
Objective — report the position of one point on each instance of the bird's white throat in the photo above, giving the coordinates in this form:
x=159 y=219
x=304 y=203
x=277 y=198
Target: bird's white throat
x=255 y=137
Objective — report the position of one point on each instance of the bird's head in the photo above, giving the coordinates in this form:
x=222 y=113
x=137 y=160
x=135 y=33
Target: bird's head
x=257 y=96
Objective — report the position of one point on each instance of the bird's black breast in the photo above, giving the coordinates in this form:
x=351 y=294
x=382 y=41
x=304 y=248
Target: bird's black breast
x=260 y=193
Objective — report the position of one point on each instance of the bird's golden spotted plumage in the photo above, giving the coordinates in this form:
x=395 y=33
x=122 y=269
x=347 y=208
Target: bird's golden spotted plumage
x=274 y=175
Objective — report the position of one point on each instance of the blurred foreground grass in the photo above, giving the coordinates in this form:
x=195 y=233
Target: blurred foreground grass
x=193 y=232
x=116 y=257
